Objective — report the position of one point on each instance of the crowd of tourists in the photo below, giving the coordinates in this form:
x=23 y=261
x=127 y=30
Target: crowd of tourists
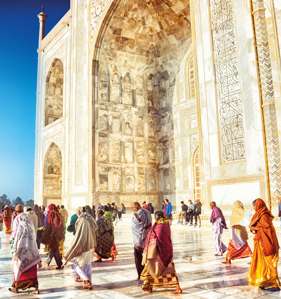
x=190 y=213
x=93 y=241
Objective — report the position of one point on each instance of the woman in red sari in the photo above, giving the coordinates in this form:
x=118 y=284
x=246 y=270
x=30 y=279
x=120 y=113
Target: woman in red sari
x=7 y=219
x=53 y=235
x=25 y=253
x=263 y=270
x=159 y=269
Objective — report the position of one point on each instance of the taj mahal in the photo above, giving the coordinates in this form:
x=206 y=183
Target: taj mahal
x=151 y=99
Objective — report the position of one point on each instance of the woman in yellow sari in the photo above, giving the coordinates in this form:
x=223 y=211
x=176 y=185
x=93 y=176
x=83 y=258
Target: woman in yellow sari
x=263 y=270
x=238 y=246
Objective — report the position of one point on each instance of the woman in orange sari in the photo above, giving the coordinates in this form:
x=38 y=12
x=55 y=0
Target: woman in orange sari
x=7 y=219
x=238 y=246
x=263 y=270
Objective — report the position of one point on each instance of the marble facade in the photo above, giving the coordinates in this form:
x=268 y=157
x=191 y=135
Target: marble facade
x=156 y=99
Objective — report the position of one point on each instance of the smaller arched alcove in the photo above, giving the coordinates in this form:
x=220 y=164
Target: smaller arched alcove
x=54 y=93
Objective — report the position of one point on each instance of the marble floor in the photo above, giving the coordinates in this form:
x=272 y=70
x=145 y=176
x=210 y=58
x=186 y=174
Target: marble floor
x=202 y=275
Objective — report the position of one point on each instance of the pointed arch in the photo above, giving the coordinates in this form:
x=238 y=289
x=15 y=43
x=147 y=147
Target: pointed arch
x=52 y=175
x=54 y=92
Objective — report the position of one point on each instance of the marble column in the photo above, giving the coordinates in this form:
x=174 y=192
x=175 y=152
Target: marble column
x=272 y=147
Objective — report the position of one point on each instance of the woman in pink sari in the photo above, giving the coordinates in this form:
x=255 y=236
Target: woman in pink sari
x=218 y=221
x=25 y=253
x=159 y=269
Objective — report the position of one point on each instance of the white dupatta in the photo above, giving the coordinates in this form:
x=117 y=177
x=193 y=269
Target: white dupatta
x=24 y=247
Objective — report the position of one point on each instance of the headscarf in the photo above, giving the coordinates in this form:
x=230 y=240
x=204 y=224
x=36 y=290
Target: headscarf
x=261 y=225
x=53 y=216
x=85 y=237
x=7 y=214
x=238 y=213
x=217 y=213
x=24 y=247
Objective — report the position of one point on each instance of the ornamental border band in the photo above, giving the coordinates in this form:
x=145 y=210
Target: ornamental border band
x=31 y=229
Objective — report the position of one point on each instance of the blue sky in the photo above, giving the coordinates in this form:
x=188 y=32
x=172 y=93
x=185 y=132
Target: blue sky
x=18 y=71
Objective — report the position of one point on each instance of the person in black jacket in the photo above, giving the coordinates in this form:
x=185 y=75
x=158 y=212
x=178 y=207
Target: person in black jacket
x=197 y=212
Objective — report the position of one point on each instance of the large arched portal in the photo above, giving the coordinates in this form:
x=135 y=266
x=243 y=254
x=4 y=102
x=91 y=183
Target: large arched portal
x=137 y=64
x=52 y=180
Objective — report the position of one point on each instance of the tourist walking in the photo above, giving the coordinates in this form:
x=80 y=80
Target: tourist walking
x=263 y=269
x=81 y=249
x=40 y=227
x=218 y=221
x=159 y=269
x=141 y=223
x=105 y=237
x=7 y=219
x=73 y=219
x=238 y=246
x=150 y=208
x=168 y=209
x=33 y=217
x=190 y=212
x=123 y=208
x=64 y=214
x=53 y=234
x=182 y=213
x=25 y=255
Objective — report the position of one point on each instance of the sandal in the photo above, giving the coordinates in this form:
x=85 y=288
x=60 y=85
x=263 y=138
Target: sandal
x=78 y=279
x=87 y=285
x=13 y=290
x=178 y=290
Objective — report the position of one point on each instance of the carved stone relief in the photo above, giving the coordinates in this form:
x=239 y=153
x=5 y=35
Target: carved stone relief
x=152 y=180
x=127 y=92
x=152 y=152
x=103 y=178
x=140 y=126
x=115 y=88
x=140 y=151
x=129 y=182
x=128 y=152
x=54 y=93
x=141 y=179
x=138 y=62
x=103 y=150
x=115 y=179
x=52 y=180
x=115 y=151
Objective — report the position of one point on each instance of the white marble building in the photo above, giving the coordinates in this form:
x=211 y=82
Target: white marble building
x=141 y=100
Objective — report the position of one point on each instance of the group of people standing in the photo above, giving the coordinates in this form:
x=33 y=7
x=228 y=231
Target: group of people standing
x=190 y=213
x=264 y=258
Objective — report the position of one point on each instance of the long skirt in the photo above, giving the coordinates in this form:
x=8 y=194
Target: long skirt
x=105 y=243
x=8 y=225
x=263 y=269
x=82 y=266
x=238 y=246
x=220 y=248
x=27 y=279
x=155 y=274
